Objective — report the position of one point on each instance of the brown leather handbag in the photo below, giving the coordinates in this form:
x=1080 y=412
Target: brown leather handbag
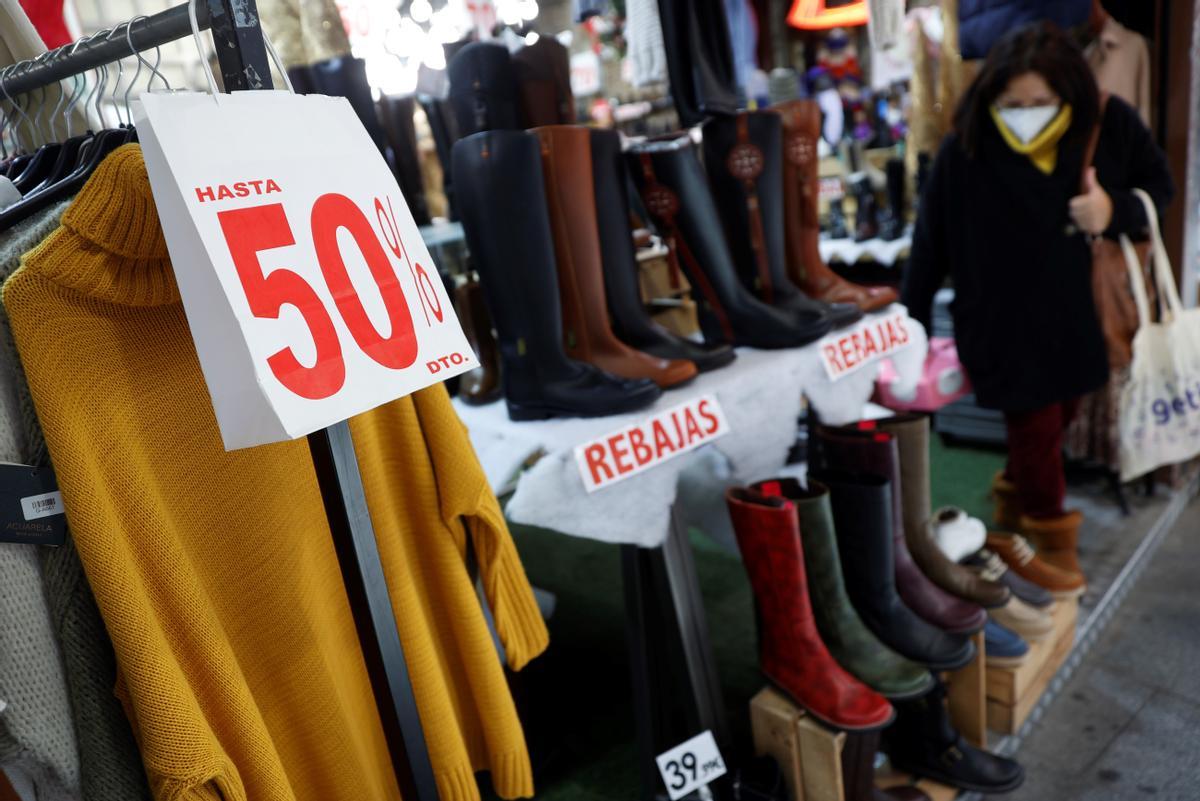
x=1115 y=306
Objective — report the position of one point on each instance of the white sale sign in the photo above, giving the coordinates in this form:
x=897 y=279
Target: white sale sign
x=310 y=295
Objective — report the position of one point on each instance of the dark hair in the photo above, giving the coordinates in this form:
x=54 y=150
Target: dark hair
x=1040 y=47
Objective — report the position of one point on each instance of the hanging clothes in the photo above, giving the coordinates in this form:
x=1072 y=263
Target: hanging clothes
x=644 y=41
x=743 y=37
x=37 y=737
x=19 y=40
x=304 y=31
x=215 y=571
x=102 y=747
x=984 y=22
x=1120 y=60
x=699 y=59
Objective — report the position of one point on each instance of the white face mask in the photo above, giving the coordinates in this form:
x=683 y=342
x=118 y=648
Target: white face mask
x=1027 y=123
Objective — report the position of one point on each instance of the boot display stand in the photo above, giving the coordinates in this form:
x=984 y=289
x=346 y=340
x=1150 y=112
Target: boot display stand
x=675 y=688
x=1012 y=692
x=810 y=754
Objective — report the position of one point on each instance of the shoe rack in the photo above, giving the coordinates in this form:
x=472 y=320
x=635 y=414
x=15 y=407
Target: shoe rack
x=1012 y=692
x=979 y=698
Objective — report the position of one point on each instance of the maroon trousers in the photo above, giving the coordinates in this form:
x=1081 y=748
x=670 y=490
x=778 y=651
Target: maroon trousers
x=1035 y=461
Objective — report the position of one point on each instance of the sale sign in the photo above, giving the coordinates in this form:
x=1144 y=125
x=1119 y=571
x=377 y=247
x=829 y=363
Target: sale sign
x=872 y=338
x=309 y=292
x=641 y=446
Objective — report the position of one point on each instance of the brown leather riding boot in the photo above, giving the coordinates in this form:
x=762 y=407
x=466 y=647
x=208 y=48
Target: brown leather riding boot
x=1056 y=539
x=1008 y=503
x=912 y=436
x=806 y=268
x=571 y=200
x=481 y=385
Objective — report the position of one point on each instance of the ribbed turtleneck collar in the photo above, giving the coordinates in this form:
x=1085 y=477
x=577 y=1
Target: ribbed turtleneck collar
x=110 y=246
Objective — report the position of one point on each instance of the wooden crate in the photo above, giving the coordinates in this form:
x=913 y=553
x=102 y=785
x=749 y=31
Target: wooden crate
x=809 y=754
x=1013 y=692
x=967 y=696
x=655 y=277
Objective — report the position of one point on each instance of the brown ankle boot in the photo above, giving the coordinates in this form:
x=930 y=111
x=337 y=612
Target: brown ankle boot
x=1056 y=539
x=802 y=230
x=571 y=201
x=1008 y=503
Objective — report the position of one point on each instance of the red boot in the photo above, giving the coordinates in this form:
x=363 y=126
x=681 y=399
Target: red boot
x=791 y=652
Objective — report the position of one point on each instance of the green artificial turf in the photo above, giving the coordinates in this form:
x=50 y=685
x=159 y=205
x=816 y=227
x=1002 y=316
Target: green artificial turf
x=575 y=700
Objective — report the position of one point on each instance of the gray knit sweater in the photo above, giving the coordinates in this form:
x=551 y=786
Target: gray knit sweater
x=63 y=728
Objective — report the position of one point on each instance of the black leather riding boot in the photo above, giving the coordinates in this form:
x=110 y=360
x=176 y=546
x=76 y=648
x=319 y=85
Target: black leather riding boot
x=677 y=196
x=396 y=114
x=862 y=516
x=513 y=249
x=346 y=76
x=483 y=89
x=866 y=218
x=893 y=225
x=444 y=128
x=743 y=158
x=631 y=322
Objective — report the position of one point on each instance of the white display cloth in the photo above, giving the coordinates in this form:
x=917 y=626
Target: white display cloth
x=847 y=251
x=761 y=394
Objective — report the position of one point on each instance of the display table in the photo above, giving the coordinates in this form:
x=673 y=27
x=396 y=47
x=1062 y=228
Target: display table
x=761 y=394
x=675 y=686
x=847 y=251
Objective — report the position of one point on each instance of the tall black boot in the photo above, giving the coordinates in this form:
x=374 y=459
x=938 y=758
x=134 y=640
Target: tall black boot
x=837 y=220
x=444 y=128
x=677 y=196
x=743 y=157
x=866 y=218
x=396 y=114
x=862 y=517
x=346 y=76
x=892 y=227
x=923 y=742
x=513 y=249
x=631 y=322
x=483 y=89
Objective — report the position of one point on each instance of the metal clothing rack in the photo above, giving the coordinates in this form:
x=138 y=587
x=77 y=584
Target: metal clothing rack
x=242 y=55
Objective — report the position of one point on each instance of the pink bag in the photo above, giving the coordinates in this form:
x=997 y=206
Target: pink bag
x=943 y=380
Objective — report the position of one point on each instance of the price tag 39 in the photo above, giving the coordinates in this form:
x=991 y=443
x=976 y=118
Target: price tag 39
x=691 y=765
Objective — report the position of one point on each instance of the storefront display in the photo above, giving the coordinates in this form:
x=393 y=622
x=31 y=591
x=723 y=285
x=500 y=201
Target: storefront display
x=686 y=524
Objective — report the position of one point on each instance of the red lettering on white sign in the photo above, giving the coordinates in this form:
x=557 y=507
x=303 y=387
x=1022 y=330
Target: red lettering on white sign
x=644 y=445
x=871 y=339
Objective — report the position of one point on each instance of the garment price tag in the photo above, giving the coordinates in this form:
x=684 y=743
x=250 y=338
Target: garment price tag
x=691 y=765
x=31 y=507
x=309 y=292
x=875 y=337
x=641 y=446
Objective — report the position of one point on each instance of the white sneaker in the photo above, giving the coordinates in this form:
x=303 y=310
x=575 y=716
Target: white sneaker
x=956 y=533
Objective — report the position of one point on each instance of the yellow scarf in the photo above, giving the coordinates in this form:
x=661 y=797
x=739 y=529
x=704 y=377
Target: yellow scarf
x=1043 y=150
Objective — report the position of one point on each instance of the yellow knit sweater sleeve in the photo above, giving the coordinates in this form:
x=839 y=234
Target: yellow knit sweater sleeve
x=465 y=492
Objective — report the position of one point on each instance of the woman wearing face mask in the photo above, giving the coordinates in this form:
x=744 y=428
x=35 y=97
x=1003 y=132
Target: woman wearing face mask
x=1007 y=214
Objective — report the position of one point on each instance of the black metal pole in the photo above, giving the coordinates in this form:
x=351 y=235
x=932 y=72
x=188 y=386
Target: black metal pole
x=243 y=57
x=237 y=36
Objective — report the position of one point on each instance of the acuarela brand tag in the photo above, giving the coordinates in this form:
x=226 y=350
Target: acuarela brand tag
x=31 y=507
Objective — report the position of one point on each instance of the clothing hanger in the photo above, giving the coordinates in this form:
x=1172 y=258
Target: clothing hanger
x=20 y=155
x=103 y=143
x=46 y=155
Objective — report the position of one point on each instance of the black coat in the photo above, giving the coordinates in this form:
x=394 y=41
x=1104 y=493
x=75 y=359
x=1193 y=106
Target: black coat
x=1024 y=319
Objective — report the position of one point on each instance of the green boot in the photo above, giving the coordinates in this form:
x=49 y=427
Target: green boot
x=849 y=640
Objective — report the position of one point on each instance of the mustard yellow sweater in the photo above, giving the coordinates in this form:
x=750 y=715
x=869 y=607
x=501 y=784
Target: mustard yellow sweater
x=215 y=573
